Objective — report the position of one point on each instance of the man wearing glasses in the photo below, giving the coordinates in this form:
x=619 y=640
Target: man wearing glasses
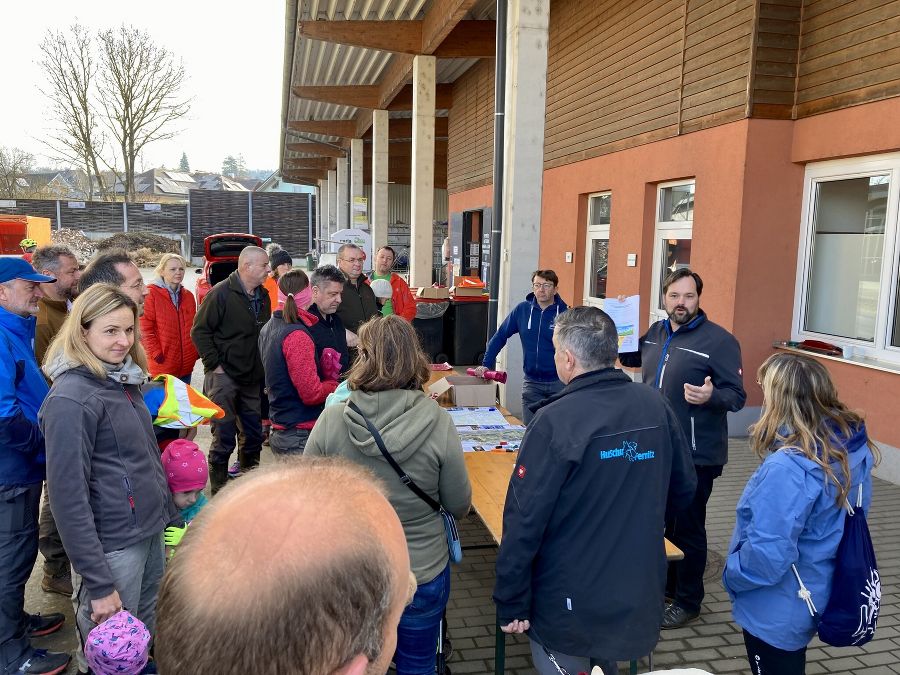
x=358 y=303
x=533 y=320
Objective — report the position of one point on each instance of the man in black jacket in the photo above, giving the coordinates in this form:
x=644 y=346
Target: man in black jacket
x=582 y=564
x=358 y=304
x=696 y=364
x=226 y=334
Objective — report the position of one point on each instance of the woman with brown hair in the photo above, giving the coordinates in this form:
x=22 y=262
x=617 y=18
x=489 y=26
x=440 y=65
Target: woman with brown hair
x=386 y=388
x=790 y=518
x=298 y=379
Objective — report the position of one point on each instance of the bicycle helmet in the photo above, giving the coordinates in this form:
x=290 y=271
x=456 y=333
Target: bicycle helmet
x=28 y=243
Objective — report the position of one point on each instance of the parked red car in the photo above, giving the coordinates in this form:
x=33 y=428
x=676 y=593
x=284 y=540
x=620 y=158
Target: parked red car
x=221 y=258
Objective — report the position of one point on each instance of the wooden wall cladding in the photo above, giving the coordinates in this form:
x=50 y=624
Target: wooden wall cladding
x=777 y=53
x=626 y=73
x=470 y=148
x=849 y=54
x=718 y=41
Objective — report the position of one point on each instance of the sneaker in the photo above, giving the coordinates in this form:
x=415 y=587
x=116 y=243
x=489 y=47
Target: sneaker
x=676 y=617
x=61 y=583
x=234 y=470
x=42 y=662
x=44 y=624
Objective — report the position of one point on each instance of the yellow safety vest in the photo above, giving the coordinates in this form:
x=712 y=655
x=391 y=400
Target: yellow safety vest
x=183 y=406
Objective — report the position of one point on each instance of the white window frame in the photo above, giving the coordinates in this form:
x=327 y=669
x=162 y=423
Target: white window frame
x=846 y=169
x=594 y=232
x=666 y=229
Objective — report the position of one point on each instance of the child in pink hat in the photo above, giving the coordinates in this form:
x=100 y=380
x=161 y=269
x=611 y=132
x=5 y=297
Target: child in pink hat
x=186 y=472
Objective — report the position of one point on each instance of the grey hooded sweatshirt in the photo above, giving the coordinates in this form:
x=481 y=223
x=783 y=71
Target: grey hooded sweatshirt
x=422 y=439
x=104 y=475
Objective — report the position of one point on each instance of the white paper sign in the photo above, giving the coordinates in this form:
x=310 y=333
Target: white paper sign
x=625 y=316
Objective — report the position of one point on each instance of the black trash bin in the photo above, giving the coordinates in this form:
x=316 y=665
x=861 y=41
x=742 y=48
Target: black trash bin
x=429 y=325
x=465 y=331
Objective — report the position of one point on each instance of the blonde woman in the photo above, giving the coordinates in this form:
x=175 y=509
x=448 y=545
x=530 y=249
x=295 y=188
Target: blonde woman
x=166 y=323
x=106 y=482
x=386 y=386
x=815 y=454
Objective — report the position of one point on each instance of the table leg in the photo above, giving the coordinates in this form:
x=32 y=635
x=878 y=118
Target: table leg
x=499 y=650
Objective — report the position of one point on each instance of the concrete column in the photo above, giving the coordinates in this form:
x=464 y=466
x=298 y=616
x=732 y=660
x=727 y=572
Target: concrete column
x=422 y=207
x=356 y=173
x=378 y=208
x=332 y=206
x=526 y=94
x=343 y=194
x=321 y=212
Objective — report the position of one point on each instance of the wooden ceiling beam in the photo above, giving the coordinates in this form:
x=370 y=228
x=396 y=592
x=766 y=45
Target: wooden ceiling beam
x=357 y=96
x=309 y=174
x=390 y=36
x=404 y=149
x=315 y=163
x=443 y=98
x=469 y=40
x=316 y=149
x=340 y=128
x=299 y=180
x=401 y=128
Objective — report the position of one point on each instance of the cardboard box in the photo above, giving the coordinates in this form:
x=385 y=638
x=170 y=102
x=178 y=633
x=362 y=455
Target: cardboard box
x=463 y=292
x=472 y=391
x=468 y=282
x=435 y=293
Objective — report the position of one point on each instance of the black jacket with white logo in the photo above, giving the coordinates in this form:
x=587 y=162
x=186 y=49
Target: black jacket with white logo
x=582 y=555
x=670 y=359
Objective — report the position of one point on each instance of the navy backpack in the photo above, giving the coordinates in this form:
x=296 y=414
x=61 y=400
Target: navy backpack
x=852 y=612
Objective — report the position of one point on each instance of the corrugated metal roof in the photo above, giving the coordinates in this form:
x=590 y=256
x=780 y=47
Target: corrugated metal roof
x=317 y=63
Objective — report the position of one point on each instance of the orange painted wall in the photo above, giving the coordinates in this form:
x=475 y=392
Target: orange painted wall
x=748 y=199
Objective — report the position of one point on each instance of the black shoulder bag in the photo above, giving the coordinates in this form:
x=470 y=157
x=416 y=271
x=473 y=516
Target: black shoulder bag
x=453 y=544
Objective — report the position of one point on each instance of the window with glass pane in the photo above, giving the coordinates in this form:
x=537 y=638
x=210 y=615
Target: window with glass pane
x=676 y=254
x=676 y=203
x=599 y=256
x=844 y=280
x=599 y=210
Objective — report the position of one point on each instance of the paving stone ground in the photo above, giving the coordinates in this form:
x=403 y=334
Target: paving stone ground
x=712 y=643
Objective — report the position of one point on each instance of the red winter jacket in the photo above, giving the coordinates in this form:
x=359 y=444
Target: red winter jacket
x=166 y=332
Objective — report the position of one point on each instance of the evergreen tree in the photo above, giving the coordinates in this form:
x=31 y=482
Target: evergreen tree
x=183 y=164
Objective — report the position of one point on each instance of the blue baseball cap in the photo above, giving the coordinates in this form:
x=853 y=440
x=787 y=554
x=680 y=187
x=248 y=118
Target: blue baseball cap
x=16 y=268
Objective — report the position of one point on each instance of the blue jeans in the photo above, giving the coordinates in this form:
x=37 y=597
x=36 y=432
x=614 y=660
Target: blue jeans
x=417 y=634
x=535 y=392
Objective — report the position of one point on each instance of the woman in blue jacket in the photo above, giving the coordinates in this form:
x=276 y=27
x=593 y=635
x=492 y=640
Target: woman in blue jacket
x=815 y=453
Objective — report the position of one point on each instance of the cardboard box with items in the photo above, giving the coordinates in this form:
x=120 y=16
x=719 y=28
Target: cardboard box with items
x=466 y=391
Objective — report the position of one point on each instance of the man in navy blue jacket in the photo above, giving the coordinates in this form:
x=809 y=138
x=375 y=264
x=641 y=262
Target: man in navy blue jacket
x=696 y=364
x=22 y=471
x=533 y=321
x=582 y=563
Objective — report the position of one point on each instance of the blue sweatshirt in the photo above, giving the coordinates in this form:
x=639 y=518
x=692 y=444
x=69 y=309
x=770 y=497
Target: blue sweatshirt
x=22 y=390
x=535 y=328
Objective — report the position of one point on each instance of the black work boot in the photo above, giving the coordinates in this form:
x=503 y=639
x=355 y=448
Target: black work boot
x=218 y=476
x=249 y=460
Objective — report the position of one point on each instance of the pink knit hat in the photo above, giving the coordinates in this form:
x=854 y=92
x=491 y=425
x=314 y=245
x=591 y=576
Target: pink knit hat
x=118 y=646
x=185 y=466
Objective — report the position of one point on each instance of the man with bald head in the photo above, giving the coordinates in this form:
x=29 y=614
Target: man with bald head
x=301 y=567
x=226 y=334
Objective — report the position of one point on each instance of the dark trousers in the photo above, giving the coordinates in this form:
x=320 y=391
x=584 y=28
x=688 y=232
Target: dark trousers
x=687 y=531
x=768 y=660
x=241 y=425
x=56 y=562
x=18 y=552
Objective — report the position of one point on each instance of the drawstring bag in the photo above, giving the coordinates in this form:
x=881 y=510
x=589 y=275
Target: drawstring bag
x=852 y=612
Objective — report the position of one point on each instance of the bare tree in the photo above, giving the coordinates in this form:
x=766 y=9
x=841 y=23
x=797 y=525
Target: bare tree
x=139 y=90
x=70 y=73
x=14 y=164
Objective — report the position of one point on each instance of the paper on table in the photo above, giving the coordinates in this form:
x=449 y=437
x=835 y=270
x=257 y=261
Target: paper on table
x=491 y=437
x=625 y=316
x=476 y=416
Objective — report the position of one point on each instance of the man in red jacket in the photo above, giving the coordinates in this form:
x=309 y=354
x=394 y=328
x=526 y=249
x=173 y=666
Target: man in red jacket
x=402 y=302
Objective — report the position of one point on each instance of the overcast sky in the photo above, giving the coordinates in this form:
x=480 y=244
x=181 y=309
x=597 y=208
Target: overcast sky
x=232 y=53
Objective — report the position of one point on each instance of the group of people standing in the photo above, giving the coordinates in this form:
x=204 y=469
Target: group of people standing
x=607 y=465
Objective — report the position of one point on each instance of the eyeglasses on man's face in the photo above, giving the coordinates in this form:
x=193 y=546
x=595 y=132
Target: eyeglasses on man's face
x=545 y=286
x=354 y=261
